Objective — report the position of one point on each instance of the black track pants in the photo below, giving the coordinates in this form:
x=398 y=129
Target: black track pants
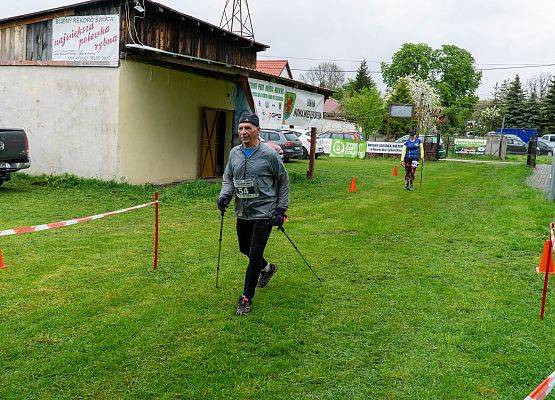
x=253 y=236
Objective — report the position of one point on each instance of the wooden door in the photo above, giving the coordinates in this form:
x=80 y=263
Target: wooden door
x=209 y=143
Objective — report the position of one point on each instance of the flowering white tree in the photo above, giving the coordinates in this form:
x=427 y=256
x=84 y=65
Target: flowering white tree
x=431 y=102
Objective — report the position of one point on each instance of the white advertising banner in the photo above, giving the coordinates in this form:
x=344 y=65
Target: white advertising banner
x=86 y=40
x=280 y=106
x=384 y=148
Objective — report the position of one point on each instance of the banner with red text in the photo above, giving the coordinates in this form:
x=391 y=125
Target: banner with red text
x=91 y=40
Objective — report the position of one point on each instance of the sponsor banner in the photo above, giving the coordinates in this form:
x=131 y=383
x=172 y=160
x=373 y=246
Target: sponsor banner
x=470 y=146
x=91 y=40
x=280 y=106
x=384 y=148
x=347 y=148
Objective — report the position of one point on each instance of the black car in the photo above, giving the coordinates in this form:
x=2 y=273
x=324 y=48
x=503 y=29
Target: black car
x=14 y=152
x=289 y=142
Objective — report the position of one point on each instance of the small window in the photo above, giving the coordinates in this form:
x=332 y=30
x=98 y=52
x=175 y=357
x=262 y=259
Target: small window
x=264 y=135
x=274 y=137
x=325 y=136
x=290 y=136
x=337 y=136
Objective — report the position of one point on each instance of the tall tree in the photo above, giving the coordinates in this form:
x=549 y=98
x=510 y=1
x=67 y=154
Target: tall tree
x=539 y=83
x=449 y=69
x=515 y=105
x=327 y=75
x=411 y=59
x=457 y=78
x=548 y=109
x=363 y=79
x=365 y=108
x=532 y=111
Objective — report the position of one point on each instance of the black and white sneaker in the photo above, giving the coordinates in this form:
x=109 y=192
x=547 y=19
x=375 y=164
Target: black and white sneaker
x=265 y=276
x=243 y=305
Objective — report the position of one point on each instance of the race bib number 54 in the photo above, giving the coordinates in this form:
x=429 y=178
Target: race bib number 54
x=245 y=189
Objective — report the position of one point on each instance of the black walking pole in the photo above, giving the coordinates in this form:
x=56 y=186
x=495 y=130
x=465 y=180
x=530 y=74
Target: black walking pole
x=220 y=249
x=421 y=172
x=306 y=262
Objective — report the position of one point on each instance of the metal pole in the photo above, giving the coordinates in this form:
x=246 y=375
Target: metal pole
x=312 y=155
x=306 y=262
x=156 y=231
x=421 y=172
x=546 y=280
x=551 y=193
x=220 y=249
x=501 y=140
x=421 y=115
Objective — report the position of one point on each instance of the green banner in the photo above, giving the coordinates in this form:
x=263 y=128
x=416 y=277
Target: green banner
x=470 y=146
x=348 y=148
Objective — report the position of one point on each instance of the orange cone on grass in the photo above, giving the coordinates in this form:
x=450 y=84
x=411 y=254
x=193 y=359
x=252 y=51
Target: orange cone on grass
x=545 y=258
x=395 y=173
x=353 y=187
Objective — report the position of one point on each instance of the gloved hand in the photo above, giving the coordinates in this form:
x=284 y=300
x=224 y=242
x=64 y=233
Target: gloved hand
x=278 y=218
x=223 y=202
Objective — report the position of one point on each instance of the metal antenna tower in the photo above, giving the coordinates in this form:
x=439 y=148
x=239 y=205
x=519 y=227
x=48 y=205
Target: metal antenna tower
x=236 y=18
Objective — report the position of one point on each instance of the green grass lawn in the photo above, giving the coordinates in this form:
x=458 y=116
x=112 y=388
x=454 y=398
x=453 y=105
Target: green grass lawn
x=428 y=294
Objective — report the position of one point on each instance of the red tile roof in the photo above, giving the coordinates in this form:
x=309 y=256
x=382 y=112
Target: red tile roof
x=274 y=67
x=331 y=106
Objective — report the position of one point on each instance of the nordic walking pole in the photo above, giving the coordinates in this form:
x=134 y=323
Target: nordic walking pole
x=220 y=249
x=421 y=172
x=306 y=262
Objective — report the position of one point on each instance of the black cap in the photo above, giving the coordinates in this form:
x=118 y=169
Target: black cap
x=412 y=132
x=250 y=118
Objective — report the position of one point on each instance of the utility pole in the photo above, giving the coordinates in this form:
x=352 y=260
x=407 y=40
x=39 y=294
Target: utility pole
x=236 y=18
x=421 y=115
x=501 y=137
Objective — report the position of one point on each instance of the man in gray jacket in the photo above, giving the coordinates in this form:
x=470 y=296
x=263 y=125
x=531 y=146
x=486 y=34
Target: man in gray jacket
x=256 y=177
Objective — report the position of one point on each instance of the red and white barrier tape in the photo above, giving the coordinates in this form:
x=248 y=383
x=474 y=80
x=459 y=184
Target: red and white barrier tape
x=61 y=224
x=543 y=389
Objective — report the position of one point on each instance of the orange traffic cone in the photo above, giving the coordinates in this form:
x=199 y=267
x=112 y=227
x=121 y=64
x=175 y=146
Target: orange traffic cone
x=545 y=256
x=2 y=260
x=353 y=187
x=395 y=173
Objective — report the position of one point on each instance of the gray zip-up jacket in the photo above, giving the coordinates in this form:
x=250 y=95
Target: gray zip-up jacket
x=260 y=183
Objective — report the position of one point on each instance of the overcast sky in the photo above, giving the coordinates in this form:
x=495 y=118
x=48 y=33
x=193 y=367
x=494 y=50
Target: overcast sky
x=494 y=31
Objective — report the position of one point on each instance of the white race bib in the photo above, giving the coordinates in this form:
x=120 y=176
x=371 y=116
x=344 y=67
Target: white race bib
x=245 y=188
x=414 y=164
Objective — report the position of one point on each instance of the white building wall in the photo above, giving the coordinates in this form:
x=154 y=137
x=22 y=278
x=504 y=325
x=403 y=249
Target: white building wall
x=70 y=115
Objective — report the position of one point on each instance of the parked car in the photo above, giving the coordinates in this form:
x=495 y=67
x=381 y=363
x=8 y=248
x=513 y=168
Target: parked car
x=428 y=139
x=326 y=138
x=288 y=141
x=304 y=137
x=14 y=152
x=515 y=145
x=550 y=138
x=274 y=146
x=544 y=148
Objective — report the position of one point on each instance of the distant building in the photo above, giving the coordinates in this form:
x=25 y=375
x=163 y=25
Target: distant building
x=275 y=67
x=113 y=91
